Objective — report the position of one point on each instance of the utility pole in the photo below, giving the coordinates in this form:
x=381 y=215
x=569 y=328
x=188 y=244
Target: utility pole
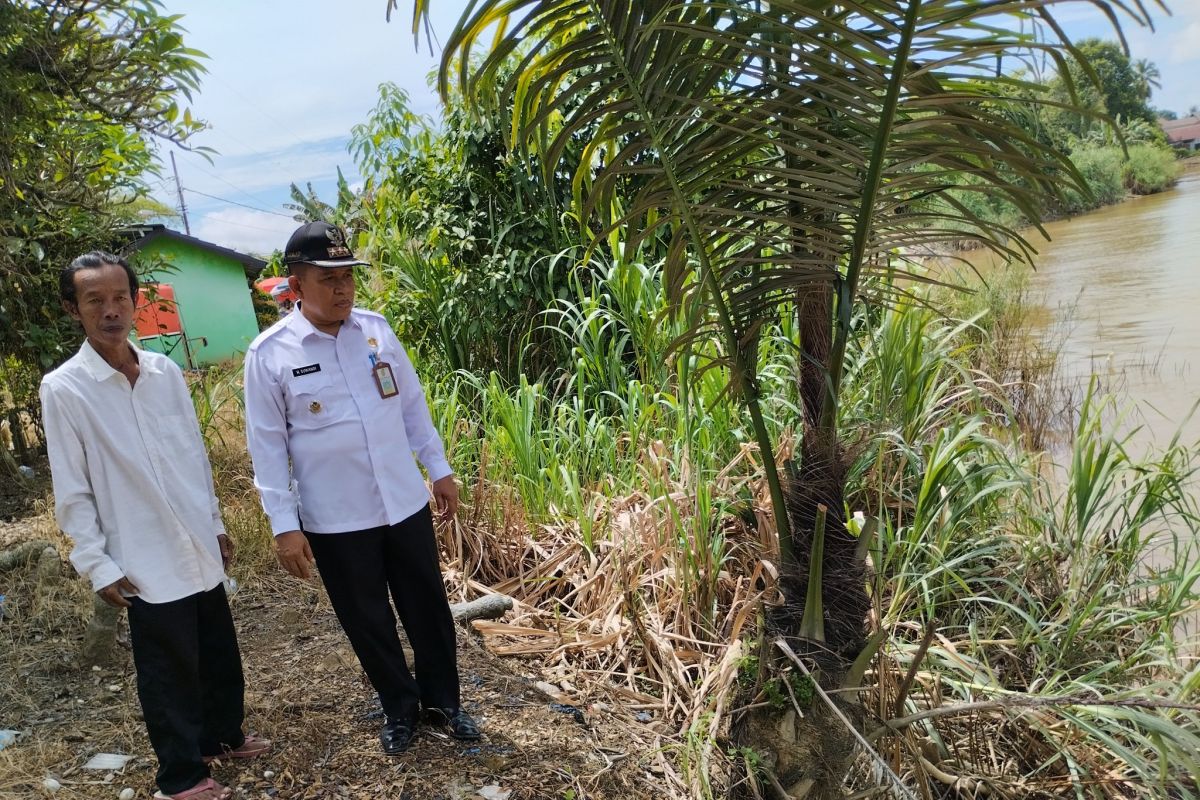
x=179 y=189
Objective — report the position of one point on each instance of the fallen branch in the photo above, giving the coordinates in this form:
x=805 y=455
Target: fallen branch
x=491 y=606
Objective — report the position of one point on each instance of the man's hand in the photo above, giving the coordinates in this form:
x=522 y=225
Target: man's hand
x=445 y=496
x=111 y=594
x=226 y=545
x=294 y=554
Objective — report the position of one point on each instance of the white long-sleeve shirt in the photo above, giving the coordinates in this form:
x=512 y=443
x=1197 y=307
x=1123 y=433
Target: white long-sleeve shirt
x=132 y=483
x=312 y=398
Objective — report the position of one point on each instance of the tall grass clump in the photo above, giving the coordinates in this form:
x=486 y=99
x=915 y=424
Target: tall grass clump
x=1036 y=602
x=1112 y=173
x=1103 y=169
x=1150 y=169
x=220 y=410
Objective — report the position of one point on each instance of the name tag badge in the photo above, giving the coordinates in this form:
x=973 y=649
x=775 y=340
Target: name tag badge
x=385 y=380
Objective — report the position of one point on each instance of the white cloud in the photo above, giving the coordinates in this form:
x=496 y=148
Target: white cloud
x=244 y=230
x=1173 y=45
x=1185 y=44
x=315 y=161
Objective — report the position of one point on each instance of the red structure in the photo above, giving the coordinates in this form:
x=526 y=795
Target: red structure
x=157 y=314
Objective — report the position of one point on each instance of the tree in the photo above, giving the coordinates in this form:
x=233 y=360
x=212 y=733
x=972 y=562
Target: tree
x=1103 y=83
x=789 y=152
x=463 y=224
x=1148 y=77
x=87 y=87
x=346 y=214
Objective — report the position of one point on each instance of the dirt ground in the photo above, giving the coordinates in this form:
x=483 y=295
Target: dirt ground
x=18 y=498
x=306 y=691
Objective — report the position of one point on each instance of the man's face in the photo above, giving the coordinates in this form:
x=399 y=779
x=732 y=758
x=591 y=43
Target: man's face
x=326 y=293
x=103 y=305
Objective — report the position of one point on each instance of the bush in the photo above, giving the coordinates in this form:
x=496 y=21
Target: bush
x=1150 y=169
x=1103 y=169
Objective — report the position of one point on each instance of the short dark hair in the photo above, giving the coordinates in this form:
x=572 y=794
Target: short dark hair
x=93 y=260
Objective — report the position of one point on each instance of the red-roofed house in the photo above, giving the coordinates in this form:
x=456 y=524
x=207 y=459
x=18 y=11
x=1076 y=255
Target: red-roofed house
x=1182 y=132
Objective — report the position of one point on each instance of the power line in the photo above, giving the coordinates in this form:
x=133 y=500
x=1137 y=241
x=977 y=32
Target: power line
x=257 y=107
x=251 y=227
x=236 y=203
x=233 y=186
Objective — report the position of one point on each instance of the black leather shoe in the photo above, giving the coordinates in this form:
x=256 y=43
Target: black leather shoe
x=397 y=734
x=459 y=722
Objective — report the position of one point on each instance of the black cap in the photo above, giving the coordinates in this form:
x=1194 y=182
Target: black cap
x=321 y=244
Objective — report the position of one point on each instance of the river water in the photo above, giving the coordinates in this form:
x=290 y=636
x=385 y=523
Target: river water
x=1121 y=294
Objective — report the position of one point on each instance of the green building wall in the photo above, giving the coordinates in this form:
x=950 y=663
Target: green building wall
x=212 y=297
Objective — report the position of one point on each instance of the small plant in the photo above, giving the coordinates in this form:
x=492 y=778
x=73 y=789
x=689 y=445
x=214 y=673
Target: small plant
x=776 y=691
x=802 y=688
x=750 y=758
x=775 y=694
x=747 y=667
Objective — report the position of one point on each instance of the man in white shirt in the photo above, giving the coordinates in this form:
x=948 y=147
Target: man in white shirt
x=334 y=414
x=133 y=489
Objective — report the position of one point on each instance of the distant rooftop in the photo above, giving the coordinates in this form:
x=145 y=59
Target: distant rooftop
x=141 y=235
x=1181 y=131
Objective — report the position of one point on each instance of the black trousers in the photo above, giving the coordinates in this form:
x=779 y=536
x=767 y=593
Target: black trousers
x=360 y=569
x=189 y=681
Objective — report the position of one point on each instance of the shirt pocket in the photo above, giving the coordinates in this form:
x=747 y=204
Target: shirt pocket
x=175 y=433
x=181 y=451
x=311 y=404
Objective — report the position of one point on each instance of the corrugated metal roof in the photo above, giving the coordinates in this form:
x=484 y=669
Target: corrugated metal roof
x=1184 y=133
x=141 y=234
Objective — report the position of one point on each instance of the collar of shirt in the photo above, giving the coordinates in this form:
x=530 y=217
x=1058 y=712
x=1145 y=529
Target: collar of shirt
x=101 y=370
x=303 y=328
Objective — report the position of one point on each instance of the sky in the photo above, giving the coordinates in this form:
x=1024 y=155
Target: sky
x=288 y=79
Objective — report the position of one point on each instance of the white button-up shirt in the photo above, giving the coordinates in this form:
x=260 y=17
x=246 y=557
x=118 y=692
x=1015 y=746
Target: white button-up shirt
x=312 y=397
x=132 y=483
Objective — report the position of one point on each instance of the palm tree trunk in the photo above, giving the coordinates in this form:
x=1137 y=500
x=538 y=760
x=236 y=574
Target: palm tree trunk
x=814 y=317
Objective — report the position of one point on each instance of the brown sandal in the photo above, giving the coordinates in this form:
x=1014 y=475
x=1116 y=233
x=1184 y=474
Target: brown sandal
x=207 y=789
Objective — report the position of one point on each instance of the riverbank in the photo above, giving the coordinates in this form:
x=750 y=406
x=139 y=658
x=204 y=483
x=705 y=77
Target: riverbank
x=1149 y=170
x=1113 y=294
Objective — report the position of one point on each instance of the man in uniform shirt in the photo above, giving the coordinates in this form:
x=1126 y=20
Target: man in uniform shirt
x=330 y=389
x=133 y=489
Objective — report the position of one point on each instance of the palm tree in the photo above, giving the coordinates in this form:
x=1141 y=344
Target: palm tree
x=308 y=207
x=1147 y=76
x=789 y=151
